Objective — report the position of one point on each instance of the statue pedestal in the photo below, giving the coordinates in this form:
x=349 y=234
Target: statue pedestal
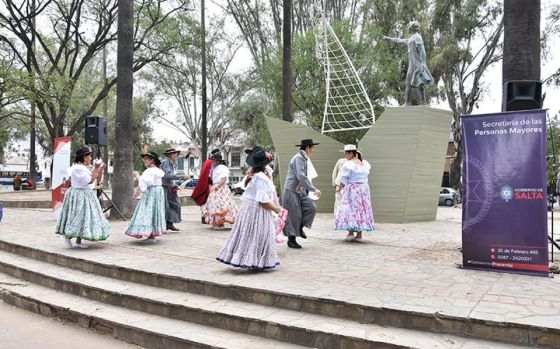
x=407 y=147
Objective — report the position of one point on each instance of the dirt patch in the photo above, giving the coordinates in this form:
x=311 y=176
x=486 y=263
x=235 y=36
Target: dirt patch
x=440 y=252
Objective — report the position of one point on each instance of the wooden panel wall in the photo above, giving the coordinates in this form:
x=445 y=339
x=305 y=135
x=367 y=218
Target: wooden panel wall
x=407 y=148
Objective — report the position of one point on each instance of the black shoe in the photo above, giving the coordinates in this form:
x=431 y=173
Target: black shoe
x=302 y=234
x=171 y=227
x=292 y=243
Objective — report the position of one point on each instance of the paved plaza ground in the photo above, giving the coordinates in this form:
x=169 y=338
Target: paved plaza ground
x=20 y=329
x=409 y=267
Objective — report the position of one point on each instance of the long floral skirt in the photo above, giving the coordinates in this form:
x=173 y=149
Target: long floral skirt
x=82 y=216
x=251 y=243
x=148 y=219
x=220 y=207
x=354 y=212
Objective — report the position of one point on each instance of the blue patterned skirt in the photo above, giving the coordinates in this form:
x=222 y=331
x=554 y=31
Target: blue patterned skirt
x=82 y=216
x=149 y=216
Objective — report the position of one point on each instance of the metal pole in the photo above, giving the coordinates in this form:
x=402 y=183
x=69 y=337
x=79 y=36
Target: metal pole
x=203 y=134
x=33 y=136
x=105 y=115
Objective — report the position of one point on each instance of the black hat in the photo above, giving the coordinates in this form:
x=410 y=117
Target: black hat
x=214 y=151
x=80 y=153
x=153 y=155
x=306 y=143
x=217 y=156
x=258 y=157
x=171 y=151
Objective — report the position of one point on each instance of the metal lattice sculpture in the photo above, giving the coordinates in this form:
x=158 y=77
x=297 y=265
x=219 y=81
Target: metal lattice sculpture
x=347 y=105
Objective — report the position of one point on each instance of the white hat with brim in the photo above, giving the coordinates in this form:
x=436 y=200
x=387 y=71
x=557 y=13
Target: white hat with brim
x=349 y=147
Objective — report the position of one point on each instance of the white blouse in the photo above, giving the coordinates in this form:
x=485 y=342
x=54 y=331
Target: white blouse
x=150 y=177
x=218 y=173
x=260 y=189
x=355 y=173
x=80 y=176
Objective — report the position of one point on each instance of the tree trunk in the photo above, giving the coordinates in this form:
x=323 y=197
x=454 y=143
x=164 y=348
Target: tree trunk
x=287 y=75
x=122 y=174
x=33 y=135
x=522 y=50
x=204 y=121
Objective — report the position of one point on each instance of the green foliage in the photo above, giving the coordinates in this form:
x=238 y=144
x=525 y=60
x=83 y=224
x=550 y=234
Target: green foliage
x=553 y=149
x=249 y=115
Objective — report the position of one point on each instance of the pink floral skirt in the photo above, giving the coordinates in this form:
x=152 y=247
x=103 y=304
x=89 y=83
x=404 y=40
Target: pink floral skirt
x=220 y=207
x=354 y=212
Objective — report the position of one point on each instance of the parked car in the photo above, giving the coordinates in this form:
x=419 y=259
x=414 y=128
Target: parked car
x=449 y=197
x=192 y=183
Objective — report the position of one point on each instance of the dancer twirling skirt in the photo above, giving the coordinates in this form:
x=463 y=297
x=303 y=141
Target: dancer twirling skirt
x=252 y=243
x=148 y=220
x=220 y=207
x=354 y=212
x=82 y=217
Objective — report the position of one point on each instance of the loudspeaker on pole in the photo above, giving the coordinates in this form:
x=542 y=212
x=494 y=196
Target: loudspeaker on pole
x=522 y=95
x=96 y=130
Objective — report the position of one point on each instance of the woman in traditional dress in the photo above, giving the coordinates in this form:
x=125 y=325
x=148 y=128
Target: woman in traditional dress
x=252 y=243
x=354 y=213
x=148 y=220
x=82 y=217
x=220 y=207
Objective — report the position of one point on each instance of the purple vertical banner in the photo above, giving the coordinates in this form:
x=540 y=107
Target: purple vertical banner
x=504 y=186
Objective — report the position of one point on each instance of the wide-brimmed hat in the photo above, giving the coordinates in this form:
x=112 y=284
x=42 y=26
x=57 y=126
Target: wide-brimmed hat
x=306 y=143
x=259 y=157
x=349 y=147
x=171 y=151
x=217 y=156
x=82 y=152
x=153 y=155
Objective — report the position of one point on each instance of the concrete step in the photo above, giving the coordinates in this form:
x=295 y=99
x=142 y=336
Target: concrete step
x=124 y=324
x=288 y=326
x=206 y=284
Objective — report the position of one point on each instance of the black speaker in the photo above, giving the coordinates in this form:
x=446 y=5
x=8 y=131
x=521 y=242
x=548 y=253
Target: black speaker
x=522 y=95
x=96 y=130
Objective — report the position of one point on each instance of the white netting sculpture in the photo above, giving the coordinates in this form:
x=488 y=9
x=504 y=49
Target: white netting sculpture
x=347 y=105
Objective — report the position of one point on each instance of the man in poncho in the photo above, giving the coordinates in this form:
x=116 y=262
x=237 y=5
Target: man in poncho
x=297 y=188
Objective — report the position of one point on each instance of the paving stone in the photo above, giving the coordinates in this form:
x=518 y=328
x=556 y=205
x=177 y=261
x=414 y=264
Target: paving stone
x=416 y=260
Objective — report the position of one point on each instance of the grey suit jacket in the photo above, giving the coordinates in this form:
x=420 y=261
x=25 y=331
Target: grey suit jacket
x=170 y=176
x=296 y=178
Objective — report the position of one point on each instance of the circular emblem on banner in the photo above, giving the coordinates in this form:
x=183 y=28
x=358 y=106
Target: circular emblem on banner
x=506 y=193
x=479 y=192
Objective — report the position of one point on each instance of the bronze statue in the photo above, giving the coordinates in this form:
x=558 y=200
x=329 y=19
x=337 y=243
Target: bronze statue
x=418 y=74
